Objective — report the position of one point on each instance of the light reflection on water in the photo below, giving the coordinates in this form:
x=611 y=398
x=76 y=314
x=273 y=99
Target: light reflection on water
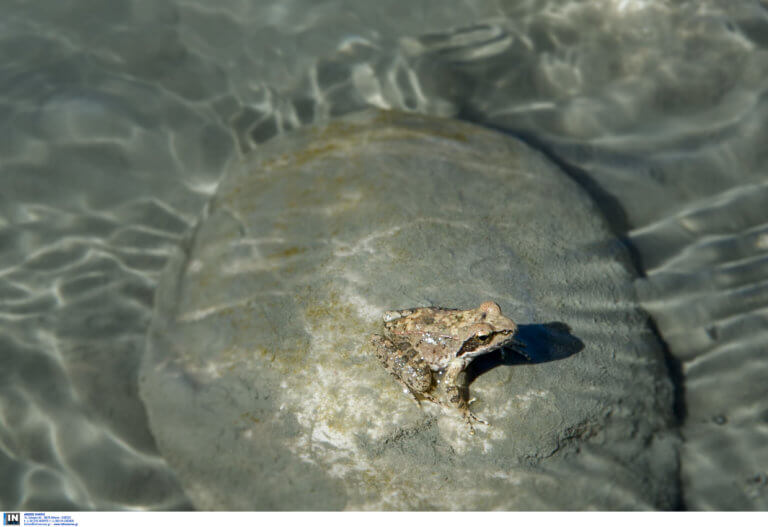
x=117 y=123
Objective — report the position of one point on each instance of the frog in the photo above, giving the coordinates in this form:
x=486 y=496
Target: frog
x=426 y=346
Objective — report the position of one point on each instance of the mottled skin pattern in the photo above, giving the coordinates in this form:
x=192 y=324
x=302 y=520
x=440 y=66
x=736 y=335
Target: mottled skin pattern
x=420 y=343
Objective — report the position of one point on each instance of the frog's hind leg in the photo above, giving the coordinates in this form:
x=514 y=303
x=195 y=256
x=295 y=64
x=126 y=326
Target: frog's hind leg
x=410 y=371
x=408 y=389
x=416 y=395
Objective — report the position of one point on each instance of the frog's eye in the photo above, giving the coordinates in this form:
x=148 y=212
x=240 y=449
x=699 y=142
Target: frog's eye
x=483 y=338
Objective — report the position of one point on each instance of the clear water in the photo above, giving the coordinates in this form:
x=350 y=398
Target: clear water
x=117 y=118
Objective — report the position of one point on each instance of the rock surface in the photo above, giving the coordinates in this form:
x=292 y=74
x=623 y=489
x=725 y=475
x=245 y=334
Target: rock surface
x=262 y=391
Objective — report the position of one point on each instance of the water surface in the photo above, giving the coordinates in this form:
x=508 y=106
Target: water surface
x=118 y=120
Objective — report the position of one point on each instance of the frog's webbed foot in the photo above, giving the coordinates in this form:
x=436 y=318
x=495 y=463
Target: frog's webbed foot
x=469 y=418
x=457 y=395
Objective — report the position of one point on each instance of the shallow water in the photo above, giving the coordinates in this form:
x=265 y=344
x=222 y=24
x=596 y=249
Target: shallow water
x=118 y=121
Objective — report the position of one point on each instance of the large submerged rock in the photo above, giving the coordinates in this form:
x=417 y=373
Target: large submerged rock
x=263 y=393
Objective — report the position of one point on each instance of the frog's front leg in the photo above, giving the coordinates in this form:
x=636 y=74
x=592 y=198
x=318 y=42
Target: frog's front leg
x=457 y=389
x=403 y=362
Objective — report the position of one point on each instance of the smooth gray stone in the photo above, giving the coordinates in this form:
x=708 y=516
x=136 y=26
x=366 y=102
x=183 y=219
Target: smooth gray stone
x=262 y=391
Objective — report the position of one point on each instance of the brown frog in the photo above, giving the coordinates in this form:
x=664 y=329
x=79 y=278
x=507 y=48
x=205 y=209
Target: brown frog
x=421 y=344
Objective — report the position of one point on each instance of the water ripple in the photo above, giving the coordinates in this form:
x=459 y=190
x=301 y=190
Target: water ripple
x=707 y=288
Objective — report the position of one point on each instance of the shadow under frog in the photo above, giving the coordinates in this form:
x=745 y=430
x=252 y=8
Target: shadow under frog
x=534 y=344
x=546 y=342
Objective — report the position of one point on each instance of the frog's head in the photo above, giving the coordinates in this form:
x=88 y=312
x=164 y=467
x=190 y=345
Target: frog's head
x=490 y=330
